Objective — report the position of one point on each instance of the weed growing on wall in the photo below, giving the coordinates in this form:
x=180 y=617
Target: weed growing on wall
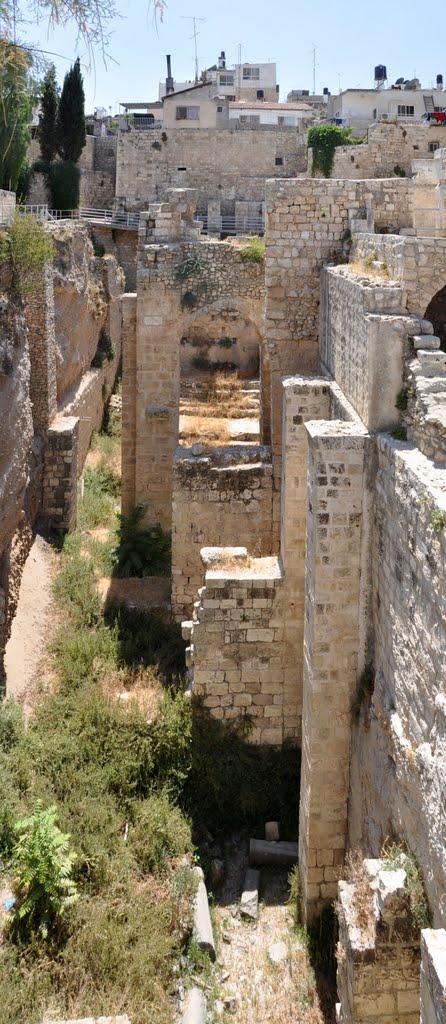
x=438 y=519
x=31 y=250
x=254 y=251
x=323 y=140
x=397 y=856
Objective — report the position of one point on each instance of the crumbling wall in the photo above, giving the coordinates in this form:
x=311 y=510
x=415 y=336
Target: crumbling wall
x=419 y=263
x=218 y=496
x=378 y=952
x=398 y=751
x=389 y=145
x=237 y=645
x=122 y=243
x=229 y=164
x=181 y=279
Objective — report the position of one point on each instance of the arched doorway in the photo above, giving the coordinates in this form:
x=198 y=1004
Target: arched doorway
x=436 y=313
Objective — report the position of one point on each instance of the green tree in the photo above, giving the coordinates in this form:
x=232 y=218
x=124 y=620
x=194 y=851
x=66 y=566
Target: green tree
x=71 y=115
x=43 y=863
x=16 y=99
x=48 y=118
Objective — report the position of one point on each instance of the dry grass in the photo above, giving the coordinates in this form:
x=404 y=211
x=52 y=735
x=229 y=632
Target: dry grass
x=210 y=431
x=135 y=686
x=356 y=872
x=218 y=395
x=364 y=270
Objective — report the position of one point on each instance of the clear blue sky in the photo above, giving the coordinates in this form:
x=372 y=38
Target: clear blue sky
x=350 y=38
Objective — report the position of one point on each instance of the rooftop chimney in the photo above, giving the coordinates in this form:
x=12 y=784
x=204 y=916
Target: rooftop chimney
x=169 y=79
x=222 y=61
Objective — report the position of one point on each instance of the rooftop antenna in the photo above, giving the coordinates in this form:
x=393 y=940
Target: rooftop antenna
x=195 y=33
x=315 y=65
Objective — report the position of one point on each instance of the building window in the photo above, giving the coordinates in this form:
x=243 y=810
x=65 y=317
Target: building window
x=187 y=113
x=250 y=118
x=219 y=110
x=279 y=161
x=251 y=73
x=286 y=119
x=260 y=94
x=433 y=146
x=181 y=168
x=226 y=79
x=231 y=99
x=404 y=111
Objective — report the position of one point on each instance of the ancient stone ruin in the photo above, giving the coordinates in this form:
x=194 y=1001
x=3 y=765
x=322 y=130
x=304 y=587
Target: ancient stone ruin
x=308 y=562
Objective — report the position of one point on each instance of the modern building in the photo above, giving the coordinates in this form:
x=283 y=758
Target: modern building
x=404 y=101
x=240 y=81
x=282 y=115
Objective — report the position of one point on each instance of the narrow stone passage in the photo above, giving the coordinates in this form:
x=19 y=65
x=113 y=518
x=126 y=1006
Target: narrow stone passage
x=30 y=629
x=263 y=969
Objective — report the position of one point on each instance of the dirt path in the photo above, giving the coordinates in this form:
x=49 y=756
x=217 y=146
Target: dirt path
x=32 y=624
x=263 y=970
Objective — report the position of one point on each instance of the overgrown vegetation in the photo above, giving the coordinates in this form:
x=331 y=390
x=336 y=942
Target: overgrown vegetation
x=254 y=251
x=402 y=399
x=396 y=856
x=141 y=550
x=30 y=249
x=323 y=140
x=17 y=94
x=192 y=264
x=438 y=519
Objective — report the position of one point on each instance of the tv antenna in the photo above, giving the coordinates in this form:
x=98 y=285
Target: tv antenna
x=315 y=65
x=195 y=33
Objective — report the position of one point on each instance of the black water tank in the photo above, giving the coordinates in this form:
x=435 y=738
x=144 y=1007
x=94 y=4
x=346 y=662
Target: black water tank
x=439 y=81
x=326 y=92
x=380 y=73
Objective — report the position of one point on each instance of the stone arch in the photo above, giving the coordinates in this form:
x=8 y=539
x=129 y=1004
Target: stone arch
x=436 y=313
x=226 y=333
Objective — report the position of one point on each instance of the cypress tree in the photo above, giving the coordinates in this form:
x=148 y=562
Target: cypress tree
x=48 y=138
x=71 y=116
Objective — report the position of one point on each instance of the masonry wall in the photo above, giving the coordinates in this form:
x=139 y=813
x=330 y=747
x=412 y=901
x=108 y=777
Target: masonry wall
x=237 y=651
x=399 y=745
x=230 y=164
x=180 y=285
x=222 y=497
x=307 y=226
x=98 y=174
x=433 y=976
x=363 y=336
x=123 y=245
x=419 y=263
x=388 y=145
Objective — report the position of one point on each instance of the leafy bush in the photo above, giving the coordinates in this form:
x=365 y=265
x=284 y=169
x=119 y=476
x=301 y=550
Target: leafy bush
x=396 y=856
x=75 y=588
x=150 y=639
x=43 y=864
x=98 y=505
x=12 y=724
x=254 y=251
x=159 y=832
x=323 y=140
x=141 y=551
x=31 y=250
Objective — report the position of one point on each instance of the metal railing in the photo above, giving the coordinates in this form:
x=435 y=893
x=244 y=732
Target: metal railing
x=118 y=219
x=231 y=225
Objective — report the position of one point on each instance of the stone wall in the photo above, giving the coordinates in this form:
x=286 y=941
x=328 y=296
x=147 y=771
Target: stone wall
x=59 y=498
x=419 y=263
x=237 y=651
x=388 y=145
x=308 y=223
x=98 y=174
x=227 y=164
x=399 y=746
x=219 y=496
x=363 y=338
x=378 y=952
x=123 y=245
x=182 y=282
x=7 y=207
x=433 y=976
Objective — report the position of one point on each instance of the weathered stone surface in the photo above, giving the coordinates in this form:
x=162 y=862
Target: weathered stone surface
x=272 y=833
x=280 y=854
x=277 y=952
x=249 y=902
x=195 y=1010
x=202 y=926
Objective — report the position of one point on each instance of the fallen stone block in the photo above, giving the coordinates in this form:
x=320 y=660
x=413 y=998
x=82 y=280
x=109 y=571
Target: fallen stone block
x=281 y=854
x=195 y=1009
x=249 y=903
x=272 y=831
x=202 y=927
x=277 y=952
x=426 y=342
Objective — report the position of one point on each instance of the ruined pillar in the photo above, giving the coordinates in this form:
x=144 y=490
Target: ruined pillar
x=128 y=437
x=39 y=316
x=214 y=217
x=304 y=399
x=59 y=497
x=331 y=650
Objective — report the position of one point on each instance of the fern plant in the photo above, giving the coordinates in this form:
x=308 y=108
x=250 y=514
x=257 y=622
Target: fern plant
x=141 y=551
x=43 y=865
